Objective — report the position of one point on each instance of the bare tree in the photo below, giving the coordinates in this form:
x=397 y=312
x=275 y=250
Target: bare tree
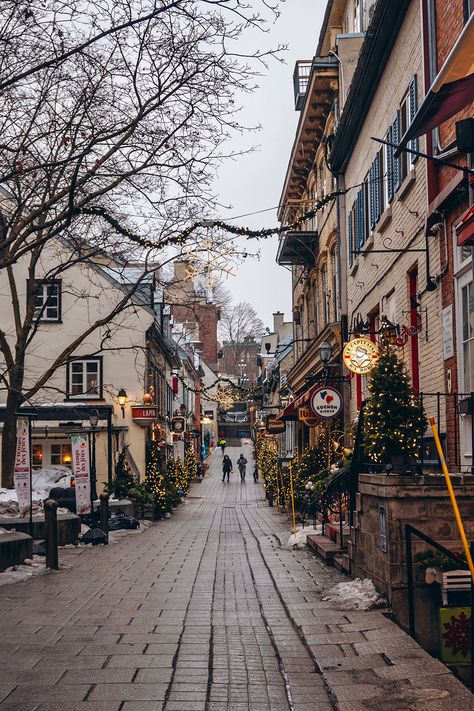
x=240 y=322
x=240 y=329
x=105 y=135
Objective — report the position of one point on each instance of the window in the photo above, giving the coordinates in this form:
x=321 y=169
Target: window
x=467 y=332
x=85 y=378
x=324 y=295
x=335 y=282
x=37 y=454
x=61 y=454
x=316 y=307
x=375 y=190
x=350 y=238
x=357 y=16
x=47 y=299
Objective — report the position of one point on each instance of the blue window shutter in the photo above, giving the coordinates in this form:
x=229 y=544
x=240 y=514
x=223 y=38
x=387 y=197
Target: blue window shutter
x=372 y=218
x=350 y=243
x=357 y=222
x=377 y=188
x=413 y=109
x=363 y=212
x=390 y=188
x=397 y=172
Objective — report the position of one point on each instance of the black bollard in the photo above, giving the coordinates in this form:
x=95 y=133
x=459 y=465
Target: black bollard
x=104 y=513
x=51 y=533
x=270 y=495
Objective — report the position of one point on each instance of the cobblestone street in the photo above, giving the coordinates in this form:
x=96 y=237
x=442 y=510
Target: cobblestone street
x=207 y=611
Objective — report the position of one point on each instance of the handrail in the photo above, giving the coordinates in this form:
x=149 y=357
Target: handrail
x=412 y=531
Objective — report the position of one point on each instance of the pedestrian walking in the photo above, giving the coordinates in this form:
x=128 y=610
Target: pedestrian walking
x=226 y=467
x=242 y=464
x=222 y=445
x=255 y=473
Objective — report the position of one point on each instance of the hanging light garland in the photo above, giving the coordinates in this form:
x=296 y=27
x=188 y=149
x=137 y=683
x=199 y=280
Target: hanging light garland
x=182 y=237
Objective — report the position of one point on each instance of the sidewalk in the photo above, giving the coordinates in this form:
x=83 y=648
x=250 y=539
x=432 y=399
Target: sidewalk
x=207 y=611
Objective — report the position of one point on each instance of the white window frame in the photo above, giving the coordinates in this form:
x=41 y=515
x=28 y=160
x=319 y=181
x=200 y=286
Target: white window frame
x=41 y=292
x=84 y=394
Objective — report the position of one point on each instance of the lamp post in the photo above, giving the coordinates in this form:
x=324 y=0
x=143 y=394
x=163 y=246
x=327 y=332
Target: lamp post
x=325 y=352
x=93 y=420
x=122 y=399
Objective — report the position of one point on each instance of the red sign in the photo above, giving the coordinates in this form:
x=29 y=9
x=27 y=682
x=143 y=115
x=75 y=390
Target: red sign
x=145 y=415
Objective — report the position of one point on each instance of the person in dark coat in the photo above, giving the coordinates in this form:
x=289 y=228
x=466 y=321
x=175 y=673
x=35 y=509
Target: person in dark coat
x=226 y=467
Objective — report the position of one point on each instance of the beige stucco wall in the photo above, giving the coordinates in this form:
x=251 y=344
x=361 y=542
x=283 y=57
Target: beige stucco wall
x=87 y=295
x=373 y=276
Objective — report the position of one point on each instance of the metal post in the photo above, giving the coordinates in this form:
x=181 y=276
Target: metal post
x=109 y=451
x=51 y=533
x=270 y=495
x=104 y=513
x=410 y=582
x=93 y=471
x=471 y=546
x=31 y=475
x=341 y=527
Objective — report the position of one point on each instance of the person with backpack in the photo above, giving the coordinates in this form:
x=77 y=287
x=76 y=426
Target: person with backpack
x=242 y=463
x=226 y=467
x=222 y=445
x=255 y=473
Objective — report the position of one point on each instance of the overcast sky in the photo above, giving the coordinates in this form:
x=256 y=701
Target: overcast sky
x=254 y=182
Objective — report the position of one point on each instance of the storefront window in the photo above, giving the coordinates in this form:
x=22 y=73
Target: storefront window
x=61 y=454
x=37 y=453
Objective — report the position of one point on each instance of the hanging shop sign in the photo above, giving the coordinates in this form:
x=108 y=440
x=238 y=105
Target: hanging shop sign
x=326 y=402
x=145 y=415
x=360 y=355
x=178 y=424
x=22 y=472
x=305 y=415
x=81 y=470
x=275 y=426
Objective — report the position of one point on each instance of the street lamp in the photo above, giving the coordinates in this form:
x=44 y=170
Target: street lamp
x=93 y=420
x=325 y=352
x=122 y=399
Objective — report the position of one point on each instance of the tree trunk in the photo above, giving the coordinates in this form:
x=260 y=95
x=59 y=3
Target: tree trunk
x=9 y=438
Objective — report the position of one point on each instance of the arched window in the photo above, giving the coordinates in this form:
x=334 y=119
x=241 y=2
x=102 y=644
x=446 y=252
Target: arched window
x=324 y=296
x=335 y=283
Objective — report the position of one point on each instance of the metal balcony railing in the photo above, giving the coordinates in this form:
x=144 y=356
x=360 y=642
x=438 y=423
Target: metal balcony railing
x=300 y=81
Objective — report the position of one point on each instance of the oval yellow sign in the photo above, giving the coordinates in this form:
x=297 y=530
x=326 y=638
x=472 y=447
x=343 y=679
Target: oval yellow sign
x=360 y=355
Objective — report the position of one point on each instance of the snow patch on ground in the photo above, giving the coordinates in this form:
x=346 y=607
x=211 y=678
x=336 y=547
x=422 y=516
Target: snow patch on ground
x=301 y=534
x=30 y=568
x=355 y=595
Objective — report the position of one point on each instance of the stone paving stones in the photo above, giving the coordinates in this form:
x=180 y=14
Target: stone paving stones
x=207 y=611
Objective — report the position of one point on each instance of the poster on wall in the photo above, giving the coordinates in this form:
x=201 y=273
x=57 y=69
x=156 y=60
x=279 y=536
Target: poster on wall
x=81 y=470
x=22 y=471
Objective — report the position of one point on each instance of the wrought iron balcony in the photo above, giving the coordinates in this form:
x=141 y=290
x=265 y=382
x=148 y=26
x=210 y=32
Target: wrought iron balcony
x=297 y=248
x=300 y=81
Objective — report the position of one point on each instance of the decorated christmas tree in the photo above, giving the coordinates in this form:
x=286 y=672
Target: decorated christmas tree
x=190 y=464
x=123 y=480
x=154 y=479
x=394 y=421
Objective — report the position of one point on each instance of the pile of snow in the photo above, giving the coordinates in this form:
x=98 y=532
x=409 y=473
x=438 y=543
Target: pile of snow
x=56 y=475
x=43 y=481
x=17 y=573
x=301 y=533
x=355 y=595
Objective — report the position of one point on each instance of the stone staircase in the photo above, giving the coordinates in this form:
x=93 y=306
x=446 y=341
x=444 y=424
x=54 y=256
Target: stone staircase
x=330 y=548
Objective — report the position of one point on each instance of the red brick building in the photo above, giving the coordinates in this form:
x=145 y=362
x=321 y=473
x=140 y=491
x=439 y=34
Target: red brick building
x=448 y=201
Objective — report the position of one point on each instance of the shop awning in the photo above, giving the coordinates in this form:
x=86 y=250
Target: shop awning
x=290 y=412
x=451 y=91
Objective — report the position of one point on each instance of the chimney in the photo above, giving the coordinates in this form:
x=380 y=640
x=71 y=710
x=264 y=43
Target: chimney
x=278 y=318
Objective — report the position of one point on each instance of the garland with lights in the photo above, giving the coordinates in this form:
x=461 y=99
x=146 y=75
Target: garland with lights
x=180 y=239
x=394 y=420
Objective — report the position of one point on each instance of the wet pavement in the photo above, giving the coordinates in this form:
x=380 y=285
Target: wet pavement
x=207 y=611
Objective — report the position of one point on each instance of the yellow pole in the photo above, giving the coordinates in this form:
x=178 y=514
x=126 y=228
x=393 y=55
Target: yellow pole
x=292 y=501
x=452 y=496
x=283 y=488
